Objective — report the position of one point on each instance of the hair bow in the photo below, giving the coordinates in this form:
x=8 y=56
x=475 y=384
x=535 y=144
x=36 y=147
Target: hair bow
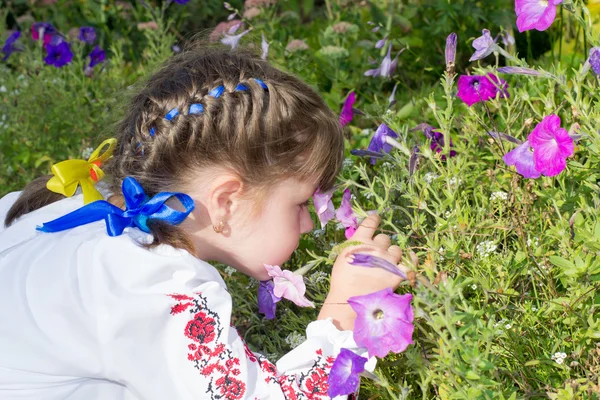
x=139 y=211
x=71 y=173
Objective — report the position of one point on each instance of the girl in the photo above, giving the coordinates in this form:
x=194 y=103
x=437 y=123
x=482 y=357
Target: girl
x=216 y=158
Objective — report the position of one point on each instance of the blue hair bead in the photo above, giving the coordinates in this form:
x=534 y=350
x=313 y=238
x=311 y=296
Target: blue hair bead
x=196 y=108
x=172 y=114
x=261 y=83
x=217 y=92
x=152 y=131
x=240 y=87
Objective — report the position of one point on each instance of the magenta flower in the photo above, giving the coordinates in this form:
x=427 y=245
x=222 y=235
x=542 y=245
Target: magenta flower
x=344 y=376
x=346 y=216
x=347 y=113
x=387 y=67
x=551 y=145
x=9 y=46
x=87 y=34
x=43 y=29
x=267 y=301
x=535 y=14
x=288 y=285
x=379 y=142
x=477 y=88
x=383 y=322
x=366 y=260
x=484 y=46
x=324 y=206
x=522 y=158
x=58 y=55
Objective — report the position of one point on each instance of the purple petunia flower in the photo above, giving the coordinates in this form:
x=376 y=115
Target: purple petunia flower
x=96 y=56
x=387 y=67
x=535 y=14
x=437 y=144
x=380 y=43
x=346 y=216
x=324 y=206
x=347 y=113
x=9 y=46
x=476 y=88
x=58 y=55
x=366 y=260
x=519 y=71
x=267 y=301
x=344 y=374
x=594 y=60
x=265 y=47
x=379 y=141
x=43 y=29
x=551 y=145
x=522 y=158
x=181 y=1
x=383 y=322
x=450 y=51
x=233 y=40
x=484 y=46
x=87 y=34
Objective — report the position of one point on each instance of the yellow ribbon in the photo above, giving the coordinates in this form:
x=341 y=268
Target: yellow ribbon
x=71 y=173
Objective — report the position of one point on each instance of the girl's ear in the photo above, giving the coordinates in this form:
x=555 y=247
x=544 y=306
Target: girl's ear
x=224 y=198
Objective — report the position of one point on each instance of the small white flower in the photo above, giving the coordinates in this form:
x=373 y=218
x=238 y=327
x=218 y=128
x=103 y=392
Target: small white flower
x=533 y=242
x=508 y=326
x=473 y=286
x=486 y=248
x=534 y=308
x=339 y=226
x=448 y=214
x=430 y=177
x=367 y=132
x=9 y=169
x=252 y=283
x=563 y=355
x=87 y=152
x=318 y=232
x=368 y=195
x=317 y=277
x=3 y=89
x=348 y=162
x=295 y=339
x=560 y=360
x=499 y=196
x=230 y=270
x=454 y=181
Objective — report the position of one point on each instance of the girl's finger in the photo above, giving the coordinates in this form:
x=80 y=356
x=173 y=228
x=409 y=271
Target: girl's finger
x=382 y=240
x=367 y=229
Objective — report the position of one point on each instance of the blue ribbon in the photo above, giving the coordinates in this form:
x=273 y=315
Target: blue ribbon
x=139 y=211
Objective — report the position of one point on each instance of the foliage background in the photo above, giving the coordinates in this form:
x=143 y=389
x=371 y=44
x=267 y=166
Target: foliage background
x=505 y=280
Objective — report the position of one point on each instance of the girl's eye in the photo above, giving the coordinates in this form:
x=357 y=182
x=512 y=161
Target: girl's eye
x=305 y=204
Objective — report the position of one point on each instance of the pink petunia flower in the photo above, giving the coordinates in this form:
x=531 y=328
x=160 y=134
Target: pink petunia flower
x=384 y=322
x=324 y=206
x=477 y=88
x=288 y=285
x=346 y=216
x=347 y=113
x=522 y=158
x=535 y=14
x=551 y=145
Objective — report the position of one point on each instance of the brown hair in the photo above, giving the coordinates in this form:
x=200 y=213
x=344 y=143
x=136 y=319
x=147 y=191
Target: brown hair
x=264 y=135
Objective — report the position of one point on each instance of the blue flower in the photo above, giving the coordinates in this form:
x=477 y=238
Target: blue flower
x=344 y=375
x=87 y=34
x=59 y=55
x=379 y=141
x=9 y=46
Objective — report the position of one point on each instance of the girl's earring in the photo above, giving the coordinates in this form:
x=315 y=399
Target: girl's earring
x=219 y=229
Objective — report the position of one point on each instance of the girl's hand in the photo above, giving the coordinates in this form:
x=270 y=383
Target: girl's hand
x=349 y=280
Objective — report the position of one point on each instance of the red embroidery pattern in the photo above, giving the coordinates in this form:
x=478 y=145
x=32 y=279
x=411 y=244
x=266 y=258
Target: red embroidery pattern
x=216 y=361
x=211 y=358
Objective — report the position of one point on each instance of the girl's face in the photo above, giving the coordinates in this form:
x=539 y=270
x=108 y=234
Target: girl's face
x=272 y=236
x=247 y=242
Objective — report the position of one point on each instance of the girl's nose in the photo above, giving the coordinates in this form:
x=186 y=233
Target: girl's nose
x=306 y=223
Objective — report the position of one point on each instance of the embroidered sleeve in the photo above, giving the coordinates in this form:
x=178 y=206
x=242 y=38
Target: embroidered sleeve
x=231 y=371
